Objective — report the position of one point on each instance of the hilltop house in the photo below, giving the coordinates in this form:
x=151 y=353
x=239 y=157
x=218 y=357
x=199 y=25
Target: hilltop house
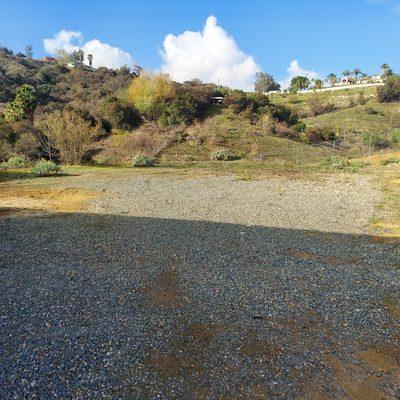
x=49 y=59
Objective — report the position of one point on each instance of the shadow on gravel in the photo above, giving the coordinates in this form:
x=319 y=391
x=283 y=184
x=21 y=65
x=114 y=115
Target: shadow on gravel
x=105 y=306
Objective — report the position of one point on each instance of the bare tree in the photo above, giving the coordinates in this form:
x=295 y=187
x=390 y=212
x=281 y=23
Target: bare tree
x=70 y=134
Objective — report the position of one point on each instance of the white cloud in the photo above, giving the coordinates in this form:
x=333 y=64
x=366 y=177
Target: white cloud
x=104 y=55
x=211 y=55
x=295 y=70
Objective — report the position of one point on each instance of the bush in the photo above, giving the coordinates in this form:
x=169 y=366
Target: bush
x=317 y=107
x=142 y=160
x=46 y=168
x=224 y=155
x=281 y=129
x=119 y=114
x=390 y=91
x=395 y=137
x=340 y=163
x=373 y=139
x=370 y=111
x=181 y=110
x=300 y=127
x=283 y=114
x=149 y=94
x=71 y=134
x=16 y=162
x=391 y=160
x=318 y=134
x=361 y=99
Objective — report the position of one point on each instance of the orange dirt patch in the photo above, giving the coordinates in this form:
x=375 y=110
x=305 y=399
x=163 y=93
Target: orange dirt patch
x=203 y=332
x=165 y=290
x=20 y=198
x=170 y=366
x=392 y=305
x=254 y=346
x=356 y=384
x=165 y=364
x=383 y=359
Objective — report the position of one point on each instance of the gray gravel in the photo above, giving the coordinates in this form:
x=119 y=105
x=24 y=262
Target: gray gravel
x=206 y=288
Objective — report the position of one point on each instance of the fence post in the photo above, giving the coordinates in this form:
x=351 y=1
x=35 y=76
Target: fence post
x=370 y=142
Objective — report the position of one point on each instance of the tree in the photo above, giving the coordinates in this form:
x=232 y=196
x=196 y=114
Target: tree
x=137 y=70
x=356 y=72
x=90 y=59
x=13 y=112
x=28 y=51
x=23 y=105
x=149 y=94
x=77 y=57
x=346 y=73
x=181 y=110
x=81 y=56
x=386 y=71
x=265 y=83
x=299 y=83
x=332 y=78
x=390 y=91
x=119 y=114
x=71 y=134
x=318 y=83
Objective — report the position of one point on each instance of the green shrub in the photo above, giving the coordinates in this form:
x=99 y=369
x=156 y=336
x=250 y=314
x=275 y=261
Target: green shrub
x=300 y=127
x=142 y=160
x=373 y=139
x=391 y=160
x=119 y=114
x=370 y=111
x=318 y=134
x=395 y=137
x=332 y=163
x=340 y=163
x=390 y=91
x=16 y=162
x=46 y=168
x=224 y=155
x=361 y=98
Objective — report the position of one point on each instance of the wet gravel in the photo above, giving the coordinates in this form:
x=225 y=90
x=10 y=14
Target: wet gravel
x=207 y=288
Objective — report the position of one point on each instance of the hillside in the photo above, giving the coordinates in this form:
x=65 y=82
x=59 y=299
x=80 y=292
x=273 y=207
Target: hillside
x=184 y=128
x=57 y=85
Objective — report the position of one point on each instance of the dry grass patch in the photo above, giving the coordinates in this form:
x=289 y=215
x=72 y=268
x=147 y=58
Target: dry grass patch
x=14 y=199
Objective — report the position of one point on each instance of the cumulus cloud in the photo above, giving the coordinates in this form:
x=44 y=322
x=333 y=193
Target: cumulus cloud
x=211 y=55
x=104 y=55
x=295 y=70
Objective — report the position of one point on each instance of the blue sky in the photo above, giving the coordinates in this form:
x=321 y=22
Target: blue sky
x=323 y=36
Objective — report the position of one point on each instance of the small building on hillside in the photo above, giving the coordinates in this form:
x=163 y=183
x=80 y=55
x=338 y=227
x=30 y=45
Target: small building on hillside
x=217 y=100
x=49 y=59
x=376 y=79
x=347 y=80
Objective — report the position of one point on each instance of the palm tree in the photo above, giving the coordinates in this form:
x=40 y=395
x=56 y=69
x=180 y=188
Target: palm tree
x=356 y=72
x=386 y=70
x=332 y=78
x=346 y=73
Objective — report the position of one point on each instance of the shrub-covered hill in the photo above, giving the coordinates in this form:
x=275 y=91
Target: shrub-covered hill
x=57 y=85
x=84 y=115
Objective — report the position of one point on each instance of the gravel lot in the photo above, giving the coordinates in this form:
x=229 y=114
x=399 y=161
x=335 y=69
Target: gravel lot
x=169 y=287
